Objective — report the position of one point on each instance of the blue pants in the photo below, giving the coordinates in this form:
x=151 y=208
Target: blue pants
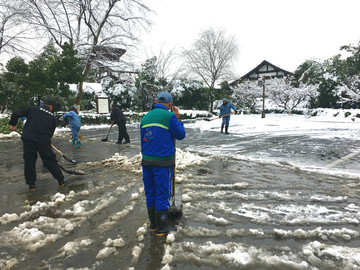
x=74 y=132
x=157 y=183
x=226 y=120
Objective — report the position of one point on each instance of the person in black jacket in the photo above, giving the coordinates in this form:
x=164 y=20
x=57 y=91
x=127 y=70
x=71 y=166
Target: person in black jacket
x=117 y=117
x=36 y=136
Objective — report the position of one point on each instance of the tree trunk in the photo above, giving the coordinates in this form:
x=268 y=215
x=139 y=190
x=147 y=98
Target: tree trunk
x=211 y=99
x=81 y=84
x=79 y=95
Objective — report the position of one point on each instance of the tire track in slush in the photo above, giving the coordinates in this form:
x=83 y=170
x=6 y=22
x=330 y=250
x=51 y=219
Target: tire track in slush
x=233 y=219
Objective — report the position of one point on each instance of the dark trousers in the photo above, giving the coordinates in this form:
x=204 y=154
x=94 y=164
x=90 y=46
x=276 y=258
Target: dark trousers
x=48 y=157
x=123 y=132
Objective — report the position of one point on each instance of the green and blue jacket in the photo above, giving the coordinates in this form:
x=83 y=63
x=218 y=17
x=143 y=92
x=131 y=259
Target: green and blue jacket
x=159 y=129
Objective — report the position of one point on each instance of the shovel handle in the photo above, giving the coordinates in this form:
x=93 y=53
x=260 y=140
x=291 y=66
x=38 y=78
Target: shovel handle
x=221 y=116
x=57 y=150
x=109 y=130
x=174 y=170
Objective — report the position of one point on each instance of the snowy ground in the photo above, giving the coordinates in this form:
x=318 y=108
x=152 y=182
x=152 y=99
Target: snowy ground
x=277 y=193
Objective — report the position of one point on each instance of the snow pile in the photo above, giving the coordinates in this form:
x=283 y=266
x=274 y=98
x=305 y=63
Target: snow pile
x=186 y=159
x=11 y=135
x=106 y=252
x=7 y=218
x=38 y=208
x=73 y=247
x=121 y=162
x=8 y=264
x=136 y=252
x=183 y=159
x=141 y=232
x=334 y=234
x=35 y=234
x=234 y=255
x=88 y=208
x=110 y=248
x=325 y=254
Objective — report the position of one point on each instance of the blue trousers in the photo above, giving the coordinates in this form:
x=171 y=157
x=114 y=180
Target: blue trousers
x=226 y=120
x=74 y=132
x=157 y=184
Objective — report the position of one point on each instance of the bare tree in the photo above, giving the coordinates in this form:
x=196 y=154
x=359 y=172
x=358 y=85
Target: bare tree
x=167 y=67
x=211 y=56
x=89 y=25
x=14 y=33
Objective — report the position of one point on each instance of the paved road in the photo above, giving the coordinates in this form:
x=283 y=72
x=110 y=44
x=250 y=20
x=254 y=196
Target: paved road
x=238 y=213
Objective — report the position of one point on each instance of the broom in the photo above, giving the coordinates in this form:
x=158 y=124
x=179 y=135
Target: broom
x=105 y=139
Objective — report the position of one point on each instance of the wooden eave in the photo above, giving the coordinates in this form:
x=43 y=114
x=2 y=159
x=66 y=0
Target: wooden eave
x=256 y=70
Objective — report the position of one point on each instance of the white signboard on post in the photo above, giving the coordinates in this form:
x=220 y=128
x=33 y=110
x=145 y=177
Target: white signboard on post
x=102 y=104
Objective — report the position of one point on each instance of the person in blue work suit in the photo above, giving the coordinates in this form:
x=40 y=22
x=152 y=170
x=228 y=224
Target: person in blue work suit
x=225 y=109
x=159 y=128
x=74 y=124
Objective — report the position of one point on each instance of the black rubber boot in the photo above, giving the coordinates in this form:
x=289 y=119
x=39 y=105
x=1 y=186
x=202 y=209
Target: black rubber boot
x=162 y=226
x=226 y=129
x=222 y=127
x=32 y=187
x=151 y=213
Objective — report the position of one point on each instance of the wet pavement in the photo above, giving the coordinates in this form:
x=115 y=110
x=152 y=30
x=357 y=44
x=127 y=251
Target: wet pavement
x=249 y=202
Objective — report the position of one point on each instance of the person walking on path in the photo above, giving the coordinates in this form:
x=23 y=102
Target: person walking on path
x=117 y=117
x=74 y=124
x=159 y=128
x=225 y=108
x=36 y=136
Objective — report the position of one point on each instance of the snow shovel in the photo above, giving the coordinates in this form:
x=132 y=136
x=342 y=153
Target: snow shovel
x=77 y=172
x=57 y=150
x=105 y=139
x=218 y=117
x=174 y=211
x=61 y=154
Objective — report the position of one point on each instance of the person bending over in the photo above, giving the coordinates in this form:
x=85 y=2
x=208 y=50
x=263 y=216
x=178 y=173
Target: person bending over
x=74 y=124
x=36 y=137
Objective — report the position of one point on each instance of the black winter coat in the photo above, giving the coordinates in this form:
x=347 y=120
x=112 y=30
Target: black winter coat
x=40 y=123
x=117 y=115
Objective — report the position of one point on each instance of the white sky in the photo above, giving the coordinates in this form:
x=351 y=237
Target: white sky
x=283 y=32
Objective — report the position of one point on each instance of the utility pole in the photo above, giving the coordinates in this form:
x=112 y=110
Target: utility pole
x=261 y=82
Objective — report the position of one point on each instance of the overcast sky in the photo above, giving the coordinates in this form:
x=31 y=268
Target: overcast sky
x=283 y=32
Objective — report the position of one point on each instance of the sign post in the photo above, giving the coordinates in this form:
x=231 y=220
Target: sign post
x=102 y=105
x=261 y=82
